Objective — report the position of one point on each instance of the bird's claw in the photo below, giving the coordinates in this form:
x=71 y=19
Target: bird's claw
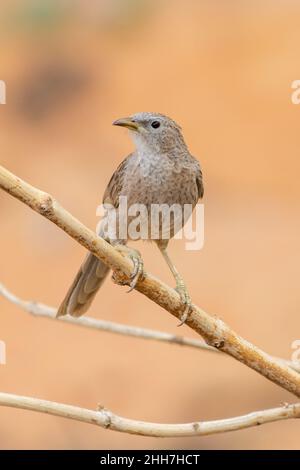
x=186 y=301
x=138 y=270
x=138 y=267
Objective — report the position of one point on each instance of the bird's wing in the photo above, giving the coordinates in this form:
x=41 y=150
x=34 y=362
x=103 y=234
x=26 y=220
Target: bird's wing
x=114 y=187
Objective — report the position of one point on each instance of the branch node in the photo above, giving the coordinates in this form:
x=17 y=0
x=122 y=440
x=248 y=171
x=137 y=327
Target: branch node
x=196 y=427
x=106 y=414
x=46 y=205
x=295 y=411
x=218 y=344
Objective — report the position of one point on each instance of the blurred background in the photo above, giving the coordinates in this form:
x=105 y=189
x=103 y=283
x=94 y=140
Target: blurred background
x=223 y=70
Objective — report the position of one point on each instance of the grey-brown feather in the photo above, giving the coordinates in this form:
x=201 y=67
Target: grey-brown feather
x=90 y=277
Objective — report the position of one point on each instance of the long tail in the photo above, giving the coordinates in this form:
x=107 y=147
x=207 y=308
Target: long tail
x=89 y=279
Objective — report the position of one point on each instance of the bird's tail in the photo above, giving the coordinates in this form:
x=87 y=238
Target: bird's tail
x=89 y=279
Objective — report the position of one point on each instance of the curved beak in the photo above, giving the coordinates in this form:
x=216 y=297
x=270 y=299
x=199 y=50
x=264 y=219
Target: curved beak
x=126 y=122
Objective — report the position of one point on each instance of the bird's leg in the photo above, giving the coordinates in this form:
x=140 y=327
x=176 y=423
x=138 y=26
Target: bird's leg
x=138 y=270
x=180 y=284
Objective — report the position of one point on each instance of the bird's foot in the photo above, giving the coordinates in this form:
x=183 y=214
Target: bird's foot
x=138 y=269
x=186 y=301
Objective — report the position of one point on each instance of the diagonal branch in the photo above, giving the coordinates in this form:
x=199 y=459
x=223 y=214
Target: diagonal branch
x=108 y=420
x=215 y=332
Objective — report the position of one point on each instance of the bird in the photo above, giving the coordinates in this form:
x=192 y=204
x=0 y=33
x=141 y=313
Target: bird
x=160 y=171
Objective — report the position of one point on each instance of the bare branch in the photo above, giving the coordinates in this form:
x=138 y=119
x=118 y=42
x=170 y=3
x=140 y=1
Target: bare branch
x=215 y=332
x=108 y=420
x=41 y=310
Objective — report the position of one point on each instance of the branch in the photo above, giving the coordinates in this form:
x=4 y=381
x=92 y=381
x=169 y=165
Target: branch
x=45 y=311
x=108 y=420
x=215 y=332
x=41 y=310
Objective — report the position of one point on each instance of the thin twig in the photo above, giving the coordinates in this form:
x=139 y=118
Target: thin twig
x=214 y=331
x=108 y=420
x=42 y=310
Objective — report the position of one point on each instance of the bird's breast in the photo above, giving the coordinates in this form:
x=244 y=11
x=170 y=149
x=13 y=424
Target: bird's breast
x=159 y=180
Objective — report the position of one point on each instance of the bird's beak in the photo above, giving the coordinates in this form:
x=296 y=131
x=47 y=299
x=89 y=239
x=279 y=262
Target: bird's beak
x=126 y=122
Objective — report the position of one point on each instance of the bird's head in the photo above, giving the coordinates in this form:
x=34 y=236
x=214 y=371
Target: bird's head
x=154 y=132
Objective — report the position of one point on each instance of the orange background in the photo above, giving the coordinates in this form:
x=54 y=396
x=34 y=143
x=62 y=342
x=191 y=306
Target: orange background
x=223 y=70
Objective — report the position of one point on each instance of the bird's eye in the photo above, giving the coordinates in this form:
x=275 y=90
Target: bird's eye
x=155 y=124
